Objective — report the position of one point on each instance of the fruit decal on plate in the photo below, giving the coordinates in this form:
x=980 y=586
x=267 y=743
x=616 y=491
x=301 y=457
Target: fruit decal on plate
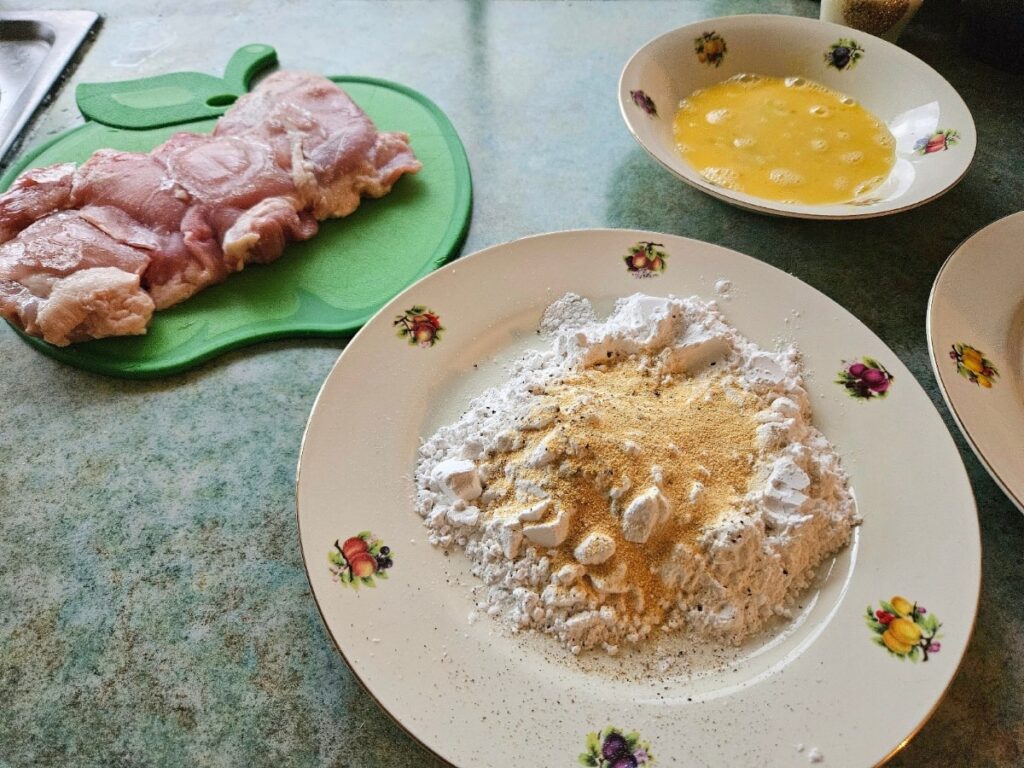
x=843 y=54
x=939 y=141
x=906 y=629
x=611 y=748
x=972 y=364
x=711 y=48
x=645 y=102
x=865 y=379
x=645 y=259
x=359 y=560
x=419 y=326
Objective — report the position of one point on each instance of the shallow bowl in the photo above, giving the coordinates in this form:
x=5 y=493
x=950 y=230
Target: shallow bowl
x=934 y=131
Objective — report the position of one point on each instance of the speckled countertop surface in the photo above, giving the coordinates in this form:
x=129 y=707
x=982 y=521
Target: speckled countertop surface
x=153 y=605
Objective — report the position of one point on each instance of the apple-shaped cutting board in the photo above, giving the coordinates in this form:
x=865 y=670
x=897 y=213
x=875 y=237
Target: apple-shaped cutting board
x=327 y=286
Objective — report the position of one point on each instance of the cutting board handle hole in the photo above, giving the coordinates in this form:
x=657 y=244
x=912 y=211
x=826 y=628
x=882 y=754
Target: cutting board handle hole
x=224 y=100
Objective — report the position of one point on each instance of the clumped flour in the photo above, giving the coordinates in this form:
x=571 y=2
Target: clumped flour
x=654 y=471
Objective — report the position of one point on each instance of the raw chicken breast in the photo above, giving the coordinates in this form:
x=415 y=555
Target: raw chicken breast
x=90 y=252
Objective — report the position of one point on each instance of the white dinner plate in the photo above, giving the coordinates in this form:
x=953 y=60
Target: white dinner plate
x=481 y=697
x=933 y=128
x=976 y=341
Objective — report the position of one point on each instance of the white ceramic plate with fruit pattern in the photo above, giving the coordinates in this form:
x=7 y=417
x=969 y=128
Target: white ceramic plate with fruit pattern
x=934 y=130
x=852 y=677
x=976 y=341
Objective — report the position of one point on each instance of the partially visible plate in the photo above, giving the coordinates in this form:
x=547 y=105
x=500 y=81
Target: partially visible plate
x=933 y=128
x=327 y=286
x=482 y=698
x=976 y=341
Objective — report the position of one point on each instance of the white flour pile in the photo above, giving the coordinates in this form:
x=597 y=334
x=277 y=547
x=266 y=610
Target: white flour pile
x=652 y=470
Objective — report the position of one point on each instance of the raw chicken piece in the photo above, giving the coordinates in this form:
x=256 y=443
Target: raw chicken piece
x=230 y=182
x=36 y=193
x=333 y=150
x=131 y=197
x=149 y=230
x=95 y=303
x=138 y=184
x=65 y=280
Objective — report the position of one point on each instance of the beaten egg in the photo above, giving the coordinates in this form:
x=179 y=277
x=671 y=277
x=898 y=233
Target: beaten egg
x=790 y=140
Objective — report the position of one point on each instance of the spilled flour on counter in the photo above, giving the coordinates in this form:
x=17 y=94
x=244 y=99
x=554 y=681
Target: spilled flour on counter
x=654 y=470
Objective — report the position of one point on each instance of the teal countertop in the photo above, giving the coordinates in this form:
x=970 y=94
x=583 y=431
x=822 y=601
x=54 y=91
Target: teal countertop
x=154 y=610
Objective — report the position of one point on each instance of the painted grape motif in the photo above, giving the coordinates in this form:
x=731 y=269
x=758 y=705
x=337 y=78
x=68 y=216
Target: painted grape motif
x=612 y=748
x=843 y=54
x=645 y=102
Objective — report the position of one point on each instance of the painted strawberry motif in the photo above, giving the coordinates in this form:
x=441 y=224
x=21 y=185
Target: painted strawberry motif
x=419 y=326
x=939 y=141
x=359 y=559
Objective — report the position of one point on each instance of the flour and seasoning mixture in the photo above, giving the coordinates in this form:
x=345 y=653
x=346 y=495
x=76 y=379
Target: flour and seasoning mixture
x=653 y=471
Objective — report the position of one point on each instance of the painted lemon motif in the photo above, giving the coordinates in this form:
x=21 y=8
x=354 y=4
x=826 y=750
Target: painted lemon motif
x=972 y=360
x=905 y=628
x=902 y=635
x=895 y=645
x=902 y=605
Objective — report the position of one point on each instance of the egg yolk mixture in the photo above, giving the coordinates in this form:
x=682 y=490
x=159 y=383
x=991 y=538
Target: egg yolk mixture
x=790 y=140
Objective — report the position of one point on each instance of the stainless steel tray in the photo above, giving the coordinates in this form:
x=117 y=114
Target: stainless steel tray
x=35 y=47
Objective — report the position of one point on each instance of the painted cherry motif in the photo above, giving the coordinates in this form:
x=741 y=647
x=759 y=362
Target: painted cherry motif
x=645 y=259
x=419 y=326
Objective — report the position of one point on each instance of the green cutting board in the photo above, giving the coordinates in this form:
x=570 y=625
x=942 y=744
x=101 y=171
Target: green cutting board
x=328 y=286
